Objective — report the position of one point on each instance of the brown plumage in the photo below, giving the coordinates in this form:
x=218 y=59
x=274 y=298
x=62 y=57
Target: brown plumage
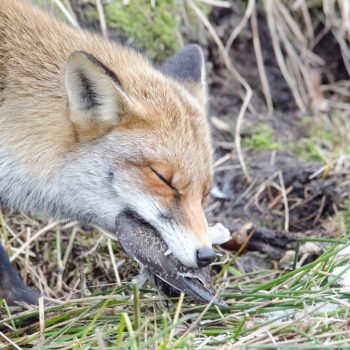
x=142 y=242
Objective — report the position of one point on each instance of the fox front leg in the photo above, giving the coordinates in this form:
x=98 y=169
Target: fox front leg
x=12 y=288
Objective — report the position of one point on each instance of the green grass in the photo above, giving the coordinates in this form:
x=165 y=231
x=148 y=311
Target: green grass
x=261 y=138
x=325 y=140
x=322 y=143
x=154 y=27
x=308 y=149
x=270 y=309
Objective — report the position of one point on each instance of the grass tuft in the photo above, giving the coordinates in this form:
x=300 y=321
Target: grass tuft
x=267 y=309
x=261 y=138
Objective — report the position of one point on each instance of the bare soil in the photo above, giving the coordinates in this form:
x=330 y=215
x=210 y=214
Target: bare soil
x=313 y=196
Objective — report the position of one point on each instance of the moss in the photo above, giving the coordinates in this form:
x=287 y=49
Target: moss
x=151 y=25
x=324 y=141
x=307 y=149
x=261 y=138
x=321 y=133
x=155 y=28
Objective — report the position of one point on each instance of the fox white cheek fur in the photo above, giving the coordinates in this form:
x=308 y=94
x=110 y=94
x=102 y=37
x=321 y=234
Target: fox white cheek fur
x=218 y=234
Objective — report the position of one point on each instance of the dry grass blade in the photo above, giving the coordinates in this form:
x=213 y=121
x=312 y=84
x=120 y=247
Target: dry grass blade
x=217 y=3
x=101 y=16
x=238 y=29
x=285 y=201
x=307 y=18
x=260 y=63
x=42 y=318
x=237 y=77
x=15 y=346
x=114 y=264
x=41 y=232
x=68 y=14
x=270 y=12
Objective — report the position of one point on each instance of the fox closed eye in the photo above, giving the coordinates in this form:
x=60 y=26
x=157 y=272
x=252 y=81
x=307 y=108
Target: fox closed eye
x=165 y=180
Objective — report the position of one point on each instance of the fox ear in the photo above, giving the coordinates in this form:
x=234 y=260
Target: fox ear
x=95 y=95
x=187 y=66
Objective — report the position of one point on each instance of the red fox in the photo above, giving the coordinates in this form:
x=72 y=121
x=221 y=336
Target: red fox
x=90 y=129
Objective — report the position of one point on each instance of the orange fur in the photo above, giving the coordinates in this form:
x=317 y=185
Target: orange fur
x=38 y=129
x=34 y=48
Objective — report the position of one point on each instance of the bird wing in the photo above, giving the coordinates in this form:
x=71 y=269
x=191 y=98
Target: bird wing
x=142 y=242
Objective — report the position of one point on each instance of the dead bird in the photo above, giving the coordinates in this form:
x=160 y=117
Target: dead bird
x=142 y=242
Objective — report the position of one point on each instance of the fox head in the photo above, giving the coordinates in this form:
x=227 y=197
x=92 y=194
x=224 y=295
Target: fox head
x=144 y=145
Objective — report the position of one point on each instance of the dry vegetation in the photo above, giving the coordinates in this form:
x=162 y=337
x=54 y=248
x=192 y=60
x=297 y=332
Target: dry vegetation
x=280 y=106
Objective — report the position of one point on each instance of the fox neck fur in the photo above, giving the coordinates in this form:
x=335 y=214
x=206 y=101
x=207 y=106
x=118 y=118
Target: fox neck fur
x=90 y=128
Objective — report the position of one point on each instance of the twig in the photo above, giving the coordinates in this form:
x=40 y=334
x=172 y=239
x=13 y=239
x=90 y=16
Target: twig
x=277 y=199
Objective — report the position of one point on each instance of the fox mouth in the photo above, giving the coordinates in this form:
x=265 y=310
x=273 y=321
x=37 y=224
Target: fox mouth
x=132 y=226
x=128 y=215
x=143 y=242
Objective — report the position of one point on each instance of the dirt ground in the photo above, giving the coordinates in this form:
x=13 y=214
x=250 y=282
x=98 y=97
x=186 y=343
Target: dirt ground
x=313 y=196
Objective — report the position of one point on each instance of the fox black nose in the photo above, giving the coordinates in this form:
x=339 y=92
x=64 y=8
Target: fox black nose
x=205 y=256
